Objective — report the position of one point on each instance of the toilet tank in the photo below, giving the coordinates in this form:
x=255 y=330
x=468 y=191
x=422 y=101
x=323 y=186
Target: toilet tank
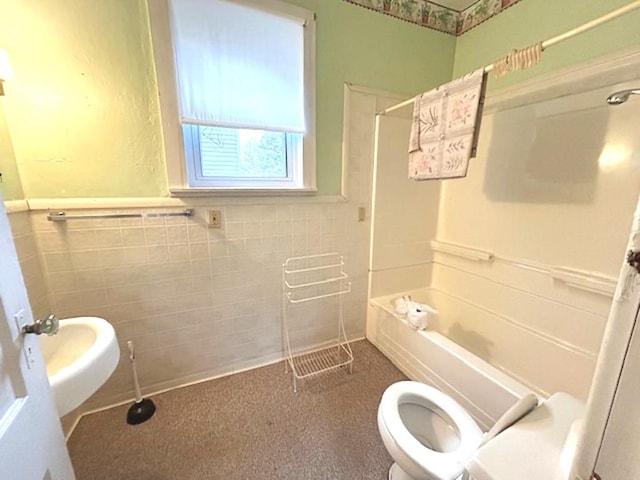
x=538 y=446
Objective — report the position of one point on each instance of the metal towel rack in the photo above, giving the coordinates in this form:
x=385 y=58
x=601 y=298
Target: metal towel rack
x=63 y=217
x=307 y=278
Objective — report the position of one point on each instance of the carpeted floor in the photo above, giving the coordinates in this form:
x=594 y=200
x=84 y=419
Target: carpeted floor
x=248 y=426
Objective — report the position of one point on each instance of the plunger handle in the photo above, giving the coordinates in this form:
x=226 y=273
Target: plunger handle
x=132 y=359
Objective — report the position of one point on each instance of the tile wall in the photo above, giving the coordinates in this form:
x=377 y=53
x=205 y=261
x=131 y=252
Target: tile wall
x=30 y=263
x=200 y=302
x=193 y=299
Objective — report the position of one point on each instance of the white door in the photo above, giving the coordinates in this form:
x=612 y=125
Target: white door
x=32 y=446
x=619 y=456
x=610 y=440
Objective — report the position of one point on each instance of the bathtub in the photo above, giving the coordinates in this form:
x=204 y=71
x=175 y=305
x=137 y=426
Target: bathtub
x=430 y=357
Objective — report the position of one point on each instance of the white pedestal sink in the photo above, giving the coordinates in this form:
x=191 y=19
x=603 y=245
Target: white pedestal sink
x=80 y=358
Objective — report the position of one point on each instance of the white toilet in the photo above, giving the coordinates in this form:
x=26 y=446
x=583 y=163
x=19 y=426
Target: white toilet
x=429 y=435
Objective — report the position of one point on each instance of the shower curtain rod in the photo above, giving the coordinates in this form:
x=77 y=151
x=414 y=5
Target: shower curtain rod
x=550 y=42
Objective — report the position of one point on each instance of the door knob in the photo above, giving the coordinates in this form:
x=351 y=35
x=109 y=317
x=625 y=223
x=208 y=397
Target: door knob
x=48 y=326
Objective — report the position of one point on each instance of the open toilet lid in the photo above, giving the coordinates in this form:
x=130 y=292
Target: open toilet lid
x=511 y=416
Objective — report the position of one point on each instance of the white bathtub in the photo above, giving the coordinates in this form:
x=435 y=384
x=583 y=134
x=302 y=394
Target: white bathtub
x=430 y=357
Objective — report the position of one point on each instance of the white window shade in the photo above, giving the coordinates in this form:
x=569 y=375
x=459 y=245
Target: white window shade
x=238 y=66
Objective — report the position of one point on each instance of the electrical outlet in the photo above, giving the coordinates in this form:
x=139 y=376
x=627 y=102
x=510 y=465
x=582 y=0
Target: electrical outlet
x=215 y=219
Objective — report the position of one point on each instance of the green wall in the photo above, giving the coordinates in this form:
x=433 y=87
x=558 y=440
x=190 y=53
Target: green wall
x=83 y=110
x=359 y=46
x=530 y=21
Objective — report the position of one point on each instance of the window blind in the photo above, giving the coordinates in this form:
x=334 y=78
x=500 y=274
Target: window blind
x=238 y=66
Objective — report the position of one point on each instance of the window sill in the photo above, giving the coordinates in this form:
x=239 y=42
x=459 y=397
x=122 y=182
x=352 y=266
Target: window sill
x=241 y=192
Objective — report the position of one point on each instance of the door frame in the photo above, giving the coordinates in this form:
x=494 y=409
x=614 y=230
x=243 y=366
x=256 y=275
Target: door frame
x=615 y=343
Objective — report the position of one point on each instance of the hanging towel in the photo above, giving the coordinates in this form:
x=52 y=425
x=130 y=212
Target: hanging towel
x=446 y=124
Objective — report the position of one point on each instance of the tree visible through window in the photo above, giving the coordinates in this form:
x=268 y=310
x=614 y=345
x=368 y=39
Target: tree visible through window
x=243 y=153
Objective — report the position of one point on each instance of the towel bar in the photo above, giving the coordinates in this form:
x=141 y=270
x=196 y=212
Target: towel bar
x=63 y=217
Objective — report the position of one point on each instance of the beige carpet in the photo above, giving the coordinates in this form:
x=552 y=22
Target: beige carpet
x=248 y=426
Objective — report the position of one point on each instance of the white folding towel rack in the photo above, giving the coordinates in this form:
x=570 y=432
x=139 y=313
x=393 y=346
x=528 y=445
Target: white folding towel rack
x=310 y=278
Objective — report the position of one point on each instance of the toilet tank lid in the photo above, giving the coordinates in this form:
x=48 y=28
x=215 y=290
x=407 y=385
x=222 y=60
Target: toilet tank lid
x=531 y=449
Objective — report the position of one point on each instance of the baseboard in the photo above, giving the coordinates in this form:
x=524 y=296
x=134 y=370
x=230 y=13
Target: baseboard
x=163 y=387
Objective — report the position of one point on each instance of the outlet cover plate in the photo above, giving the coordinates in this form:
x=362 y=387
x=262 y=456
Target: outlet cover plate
x=214 y=218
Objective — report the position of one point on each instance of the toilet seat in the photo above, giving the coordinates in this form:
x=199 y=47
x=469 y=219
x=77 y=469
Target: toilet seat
x=441 y=465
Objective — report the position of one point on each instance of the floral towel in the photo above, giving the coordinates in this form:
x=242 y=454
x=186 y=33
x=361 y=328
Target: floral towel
x=446 y=124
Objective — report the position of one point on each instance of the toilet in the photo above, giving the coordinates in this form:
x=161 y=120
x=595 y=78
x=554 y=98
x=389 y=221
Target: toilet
x=429 y=435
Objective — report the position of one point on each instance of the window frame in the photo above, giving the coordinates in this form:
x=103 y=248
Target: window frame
x=303 y=182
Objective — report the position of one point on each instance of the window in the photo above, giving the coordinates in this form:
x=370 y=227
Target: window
x=236 y=81
x=221 y=156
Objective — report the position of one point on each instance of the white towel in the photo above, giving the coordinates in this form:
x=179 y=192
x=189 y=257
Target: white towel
x=446 y=124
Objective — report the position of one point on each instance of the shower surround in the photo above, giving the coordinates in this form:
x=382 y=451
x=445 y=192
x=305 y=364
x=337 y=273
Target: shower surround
x=521 y=257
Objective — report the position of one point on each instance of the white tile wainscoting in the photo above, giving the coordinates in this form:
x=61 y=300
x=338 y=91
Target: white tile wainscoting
x=200 y=302
x=193 y=299
x=30 y=261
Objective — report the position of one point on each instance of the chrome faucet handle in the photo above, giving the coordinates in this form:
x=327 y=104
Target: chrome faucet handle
x=48 y=326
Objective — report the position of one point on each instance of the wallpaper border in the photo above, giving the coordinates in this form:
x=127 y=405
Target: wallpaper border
x=431 y=15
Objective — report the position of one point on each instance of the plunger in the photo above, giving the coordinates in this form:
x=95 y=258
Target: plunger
x=143 y=409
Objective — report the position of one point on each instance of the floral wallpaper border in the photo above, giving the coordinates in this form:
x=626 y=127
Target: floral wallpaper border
x=437 y=17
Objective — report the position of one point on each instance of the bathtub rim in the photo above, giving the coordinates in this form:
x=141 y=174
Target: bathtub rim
x=416 y=370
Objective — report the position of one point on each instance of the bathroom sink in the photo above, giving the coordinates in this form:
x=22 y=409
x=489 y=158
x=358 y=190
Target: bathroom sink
x=79 y=358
